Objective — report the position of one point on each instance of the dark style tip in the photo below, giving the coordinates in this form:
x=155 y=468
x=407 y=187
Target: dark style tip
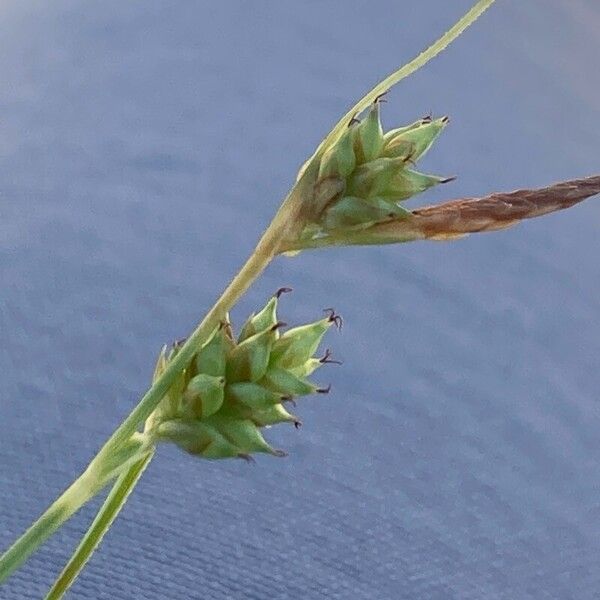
x=327 y=360
x=178 y=343
x=289 y=399
x=281 y=291
x=381 y=97
x=448 y=179
x=333 y=317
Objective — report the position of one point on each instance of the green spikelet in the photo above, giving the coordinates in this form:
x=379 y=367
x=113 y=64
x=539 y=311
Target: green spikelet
x=264 y=319
x=204 y=395
x=372 y=178
x=232 y=389
x=252 y=395
x=286 y=383
x=392 y=133
x=248 y=361
x=355 y=213
x=360 y=184
x=297 y=345
x=260 y=321
x=273 y=415
x=340 y=160
x=212 y=357
x=308 y=368
x=261 y=417
x=243 y=434
x=412 y=144
x=312 y=364
x=368 y=136
x=198 y=438
x=408 y=183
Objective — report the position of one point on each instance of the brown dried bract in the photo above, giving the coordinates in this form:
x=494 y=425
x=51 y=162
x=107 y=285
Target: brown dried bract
x=500 y=210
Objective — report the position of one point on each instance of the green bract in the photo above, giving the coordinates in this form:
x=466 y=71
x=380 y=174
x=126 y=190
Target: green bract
x=233 y=388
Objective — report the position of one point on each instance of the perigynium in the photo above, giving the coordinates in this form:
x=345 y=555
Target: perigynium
x=215 y=393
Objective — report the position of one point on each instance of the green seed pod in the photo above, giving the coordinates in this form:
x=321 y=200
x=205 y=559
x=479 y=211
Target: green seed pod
x=407 y=183
x=392 y=133
x=248 y=361
x=339 y=160
x=411 y=145
x=196 y=437
x=264 y=319
x=283 y=382
x=204 y=395
x=297 y=345
x=252 y=395
x=372 y=178
x=368 y=136
x=260 y=321
x=273 y=415
x=260 y=416
x=243 y=434
x=212 y=357
x=354 y=213
x=308 y=368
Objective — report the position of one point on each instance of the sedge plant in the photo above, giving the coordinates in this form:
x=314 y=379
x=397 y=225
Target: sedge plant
x=214 y=393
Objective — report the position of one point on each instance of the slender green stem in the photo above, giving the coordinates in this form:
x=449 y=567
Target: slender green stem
x=287 y=223
x=104 y=519
x=65 y=506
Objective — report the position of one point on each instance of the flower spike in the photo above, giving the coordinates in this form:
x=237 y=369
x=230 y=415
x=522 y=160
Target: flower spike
x=233 y=389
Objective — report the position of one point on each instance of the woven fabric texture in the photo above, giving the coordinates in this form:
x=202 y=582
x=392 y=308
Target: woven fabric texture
x=144 y=146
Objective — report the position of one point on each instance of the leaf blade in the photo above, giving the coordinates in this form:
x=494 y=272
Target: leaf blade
x=100 y=525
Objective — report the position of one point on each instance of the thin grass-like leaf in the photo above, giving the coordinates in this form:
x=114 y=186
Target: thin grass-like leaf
x=104 y=519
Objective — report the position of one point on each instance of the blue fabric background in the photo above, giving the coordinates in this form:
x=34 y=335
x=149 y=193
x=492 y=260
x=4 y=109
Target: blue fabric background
x=144 y=146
